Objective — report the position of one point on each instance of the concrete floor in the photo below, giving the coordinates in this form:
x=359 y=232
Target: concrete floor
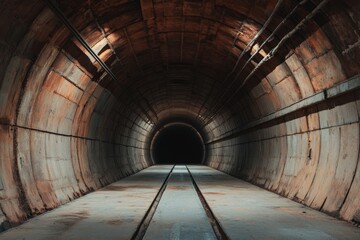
x=113 y=212
x=244 y=211
x=180 y=214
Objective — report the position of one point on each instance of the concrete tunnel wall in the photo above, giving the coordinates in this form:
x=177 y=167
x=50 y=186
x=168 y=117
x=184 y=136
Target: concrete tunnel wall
x=291 y=126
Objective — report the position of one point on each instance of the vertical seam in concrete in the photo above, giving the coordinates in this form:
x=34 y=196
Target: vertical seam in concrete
x=218 y=230
x=145 y=222
x=352 y=181
x=23 y=201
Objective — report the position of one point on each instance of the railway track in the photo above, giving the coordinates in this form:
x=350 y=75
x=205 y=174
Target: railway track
x=181 y=202
x=178 y=200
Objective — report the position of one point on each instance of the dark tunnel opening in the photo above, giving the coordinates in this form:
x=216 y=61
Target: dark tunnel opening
x=178 y=144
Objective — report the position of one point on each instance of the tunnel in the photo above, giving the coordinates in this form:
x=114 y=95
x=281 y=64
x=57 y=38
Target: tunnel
x=177 y=144
x=237 y=98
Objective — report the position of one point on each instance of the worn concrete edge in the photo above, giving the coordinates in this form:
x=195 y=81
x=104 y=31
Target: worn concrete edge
x=146 y=220
x=70 y=136
x=215 y=223
x=347 y=86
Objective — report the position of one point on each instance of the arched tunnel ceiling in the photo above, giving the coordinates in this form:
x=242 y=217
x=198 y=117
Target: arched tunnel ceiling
x=189 y=55
x=224 y=66
x=195 y=56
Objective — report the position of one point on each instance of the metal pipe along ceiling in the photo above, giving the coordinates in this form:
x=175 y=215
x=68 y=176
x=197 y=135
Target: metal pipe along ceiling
x=272 y=87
